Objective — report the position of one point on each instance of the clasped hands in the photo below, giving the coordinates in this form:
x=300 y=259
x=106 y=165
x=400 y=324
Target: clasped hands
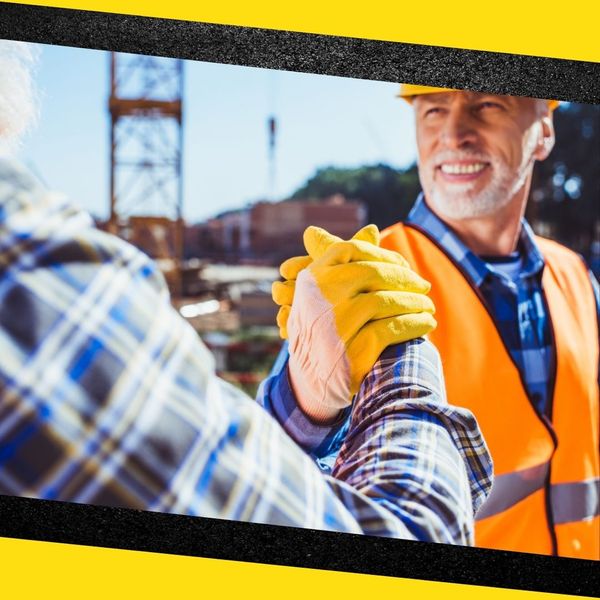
x=340 y=307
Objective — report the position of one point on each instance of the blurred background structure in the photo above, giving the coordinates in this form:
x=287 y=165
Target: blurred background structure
x=221 y=198
x=146 y=133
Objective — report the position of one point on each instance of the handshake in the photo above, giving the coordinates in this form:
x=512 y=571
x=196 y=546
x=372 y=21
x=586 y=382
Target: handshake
x=340 y=307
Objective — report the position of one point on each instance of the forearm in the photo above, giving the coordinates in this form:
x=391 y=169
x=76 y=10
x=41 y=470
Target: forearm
x=410 y=452
x=275 y=395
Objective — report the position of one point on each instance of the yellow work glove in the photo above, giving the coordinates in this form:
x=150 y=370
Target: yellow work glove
x=283 y=292
x=349 y=302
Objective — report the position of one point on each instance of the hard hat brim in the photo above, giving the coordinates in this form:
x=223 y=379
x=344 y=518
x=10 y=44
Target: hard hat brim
x=408 y=91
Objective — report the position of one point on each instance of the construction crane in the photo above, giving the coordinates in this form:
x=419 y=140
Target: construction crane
x=272 y=136
x=146 y=135
x=272 y=131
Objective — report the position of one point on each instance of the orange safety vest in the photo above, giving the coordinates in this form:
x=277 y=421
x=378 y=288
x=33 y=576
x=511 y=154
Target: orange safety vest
x=545 y=494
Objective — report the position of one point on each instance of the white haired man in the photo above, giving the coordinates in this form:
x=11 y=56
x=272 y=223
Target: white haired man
x=518 y=322
x=108 y=397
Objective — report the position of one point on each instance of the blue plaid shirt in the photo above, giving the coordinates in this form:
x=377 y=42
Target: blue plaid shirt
x=107 y=396
x=519 y=309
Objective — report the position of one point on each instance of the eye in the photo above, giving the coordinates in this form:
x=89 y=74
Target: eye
x=489 y=105
x=433 y=110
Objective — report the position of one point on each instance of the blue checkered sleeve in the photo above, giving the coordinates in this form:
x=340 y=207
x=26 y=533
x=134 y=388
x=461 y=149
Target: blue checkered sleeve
x=320 y=441
x=403 y=396
x=108 y=397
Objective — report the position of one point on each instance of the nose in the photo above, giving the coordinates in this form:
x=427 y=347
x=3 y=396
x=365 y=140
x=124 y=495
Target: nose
x=458 y=131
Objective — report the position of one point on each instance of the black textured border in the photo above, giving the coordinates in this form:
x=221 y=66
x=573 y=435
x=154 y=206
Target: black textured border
x=233 y=540
x=349 y=57
x=495 y=72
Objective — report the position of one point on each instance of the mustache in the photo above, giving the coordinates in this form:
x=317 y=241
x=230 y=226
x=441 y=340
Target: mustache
x=458 y=155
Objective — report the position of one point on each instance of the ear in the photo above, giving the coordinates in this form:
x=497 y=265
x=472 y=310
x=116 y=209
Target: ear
x=546 y=137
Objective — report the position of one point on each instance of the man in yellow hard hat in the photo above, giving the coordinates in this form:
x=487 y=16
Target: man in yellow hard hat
x=517 y=321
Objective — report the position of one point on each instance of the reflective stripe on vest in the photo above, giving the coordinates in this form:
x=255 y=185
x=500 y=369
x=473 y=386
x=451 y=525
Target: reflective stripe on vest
x=575 y=501
x=545 y=497
x=570 y=501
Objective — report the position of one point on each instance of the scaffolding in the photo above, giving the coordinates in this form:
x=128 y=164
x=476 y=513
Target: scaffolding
x=146 y=143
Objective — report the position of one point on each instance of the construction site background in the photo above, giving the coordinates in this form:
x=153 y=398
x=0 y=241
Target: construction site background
x=229 y=263
x=220 y=271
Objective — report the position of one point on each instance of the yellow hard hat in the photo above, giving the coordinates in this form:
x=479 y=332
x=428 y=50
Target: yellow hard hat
x=408 y=91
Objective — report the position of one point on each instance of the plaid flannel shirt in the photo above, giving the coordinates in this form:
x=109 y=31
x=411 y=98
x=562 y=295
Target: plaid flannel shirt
x=108 y=397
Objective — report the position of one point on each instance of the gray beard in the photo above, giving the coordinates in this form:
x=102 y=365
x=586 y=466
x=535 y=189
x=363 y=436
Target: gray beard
x=463 y=203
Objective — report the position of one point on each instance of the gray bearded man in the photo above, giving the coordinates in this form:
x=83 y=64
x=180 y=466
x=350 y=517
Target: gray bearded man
x=518 y=323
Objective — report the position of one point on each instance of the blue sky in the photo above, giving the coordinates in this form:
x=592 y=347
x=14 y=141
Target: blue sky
x=321 y=121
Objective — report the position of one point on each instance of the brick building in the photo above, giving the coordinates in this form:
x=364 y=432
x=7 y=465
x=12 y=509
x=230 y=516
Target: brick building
x=270 y=232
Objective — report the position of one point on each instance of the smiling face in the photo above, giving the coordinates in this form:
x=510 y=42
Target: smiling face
x=476 y=151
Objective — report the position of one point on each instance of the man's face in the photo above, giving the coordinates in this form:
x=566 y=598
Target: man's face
x=476 y=151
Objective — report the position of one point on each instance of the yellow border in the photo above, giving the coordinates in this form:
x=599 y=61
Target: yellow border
x=46 y=570
x=41 y=569
x=552 y=28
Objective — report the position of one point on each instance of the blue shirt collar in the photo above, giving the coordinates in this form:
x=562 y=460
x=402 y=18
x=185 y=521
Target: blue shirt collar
x=476 y=268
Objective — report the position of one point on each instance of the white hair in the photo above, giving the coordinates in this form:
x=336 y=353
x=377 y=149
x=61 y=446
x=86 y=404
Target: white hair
x=18 y=102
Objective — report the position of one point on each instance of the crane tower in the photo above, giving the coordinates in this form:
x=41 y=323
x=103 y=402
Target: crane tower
x=145 y=105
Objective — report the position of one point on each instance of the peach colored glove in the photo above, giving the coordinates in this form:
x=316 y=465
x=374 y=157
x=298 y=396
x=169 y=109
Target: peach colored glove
x=341 y=306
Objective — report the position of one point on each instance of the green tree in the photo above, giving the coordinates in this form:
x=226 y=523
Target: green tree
x=388 y=193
